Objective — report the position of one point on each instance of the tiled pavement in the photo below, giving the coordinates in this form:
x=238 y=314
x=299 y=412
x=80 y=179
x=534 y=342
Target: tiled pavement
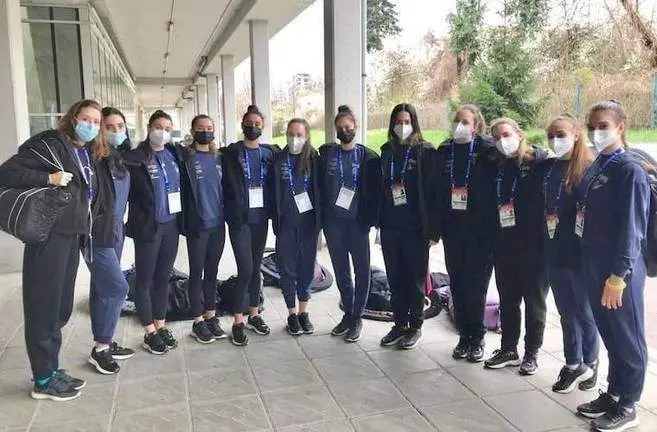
x=310 y=383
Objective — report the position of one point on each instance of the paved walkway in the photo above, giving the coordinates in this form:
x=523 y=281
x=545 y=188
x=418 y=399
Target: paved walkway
x=312 y=383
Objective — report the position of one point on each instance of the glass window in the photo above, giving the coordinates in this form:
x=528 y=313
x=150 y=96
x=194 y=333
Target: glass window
x=64 y=14
x=39 y=65
x=36 y=12
x=39 y=123
x=68 y=62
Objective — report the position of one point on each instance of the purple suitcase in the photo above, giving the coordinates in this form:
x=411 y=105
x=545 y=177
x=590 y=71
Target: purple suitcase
x=491 y=311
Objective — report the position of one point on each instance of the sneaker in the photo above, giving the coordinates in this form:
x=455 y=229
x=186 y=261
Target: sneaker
x=56 y=390
x=103 y=361
x=617 y=420
x=120 y=353
x=412 y=339
x=501 y=359
x=591 y=383
x=343 y=327
x=394 y=336
x=154 y=344
x=238 y=336
x=529 y=365
x=257 y=324
x=476 y=354
x=215 y=328
x=462 y=349
x=293 y=325
x=598 y=407
x=354 y=333
x=201 y=332
x=76 y=383
x=569 y=378
x=306 y=325
x=168 y=338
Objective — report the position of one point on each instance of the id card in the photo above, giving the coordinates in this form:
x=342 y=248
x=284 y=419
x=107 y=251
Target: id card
x=256 y=198
x=303 y=202
x=507 y=215
x=398 y=195
x=551 y=222
x=459 y=198
x=579 y=223
x=175 y=204
x=345 y=197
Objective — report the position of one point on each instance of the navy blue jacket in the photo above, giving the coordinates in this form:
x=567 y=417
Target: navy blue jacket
x=103 y=207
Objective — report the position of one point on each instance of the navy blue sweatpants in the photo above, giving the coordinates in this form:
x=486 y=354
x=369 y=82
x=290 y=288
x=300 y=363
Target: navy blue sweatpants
x=204 y=254
x=345 y=237
x=248 y=241
x=296 y=251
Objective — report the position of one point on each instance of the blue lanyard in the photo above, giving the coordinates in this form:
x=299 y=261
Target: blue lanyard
x=87 y=172
x=582 y=203
x=306 y=177
x=249 y=176
x=468 y=168
x=167 y=184
x=498 y=180
x=545 y=192
x=402 y=175
x=355 y=167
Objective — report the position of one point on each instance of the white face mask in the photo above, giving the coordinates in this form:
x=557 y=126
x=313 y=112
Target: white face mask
x=295 y=144
x=602 y=139
x=461 y=133
x=159 y=137
x=403 y=131
x=508 y=145
x=562 y=146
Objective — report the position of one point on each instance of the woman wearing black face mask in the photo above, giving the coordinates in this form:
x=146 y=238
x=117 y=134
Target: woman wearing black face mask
x=203 y=225
x=248 y=201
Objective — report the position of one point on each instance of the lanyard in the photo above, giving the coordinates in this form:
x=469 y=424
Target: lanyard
x=468 y=168
x=402 y=175
x=247 y=161
x=355 y=167
x=167 y=184
x=87 y=172
x=582 y=204
x=306 y=177
x=545 y=192
x=498 y=180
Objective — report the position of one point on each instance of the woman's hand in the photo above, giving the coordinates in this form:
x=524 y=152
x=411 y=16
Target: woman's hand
x=612 y=293
x=61 y=178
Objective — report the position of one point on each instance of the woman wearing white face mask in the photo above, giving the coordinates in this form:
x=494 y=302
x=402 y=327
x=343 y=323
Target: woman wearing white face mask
x=297 y=221
x=515 y=218
x=153 y=222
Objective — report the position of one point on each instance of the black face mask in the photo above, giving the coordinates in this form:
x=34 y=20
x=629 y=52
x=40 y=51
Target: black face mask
x=251 y=133
x=203 y=137
x=346 y=136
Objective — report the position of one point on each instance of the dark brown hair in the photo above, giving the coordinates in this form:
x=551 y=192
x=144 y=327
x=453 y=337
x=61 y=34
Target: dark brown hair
x=252 y=109
x=345 y=112
x=581 y=157
x=304 y=157
x=616 y=110
x=480 y=122
x=114 y=160
x=416 y=136
x=66 y=126
x=213 y=144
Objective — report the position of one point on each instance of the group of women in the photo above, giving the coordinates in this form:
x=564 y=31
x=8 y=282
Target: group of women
x=541 y=218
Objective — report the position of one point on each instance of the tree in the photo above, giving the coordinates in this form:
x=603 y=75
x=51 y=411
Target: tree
x=382 y=18
x=647 y=34
x=464 y=30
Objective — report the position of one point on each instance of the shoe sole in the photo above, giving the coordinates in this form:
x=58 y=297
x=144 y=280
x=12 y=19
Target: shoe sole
x=245 y=343
x=291 y=333
x=353 y=340
x=309 y=332
x=503 y=365
x=591 y=415
x=255 y=330
x=222 y=336
x=44 y=396
x=626 y=426
x=123 y=357
x=527 y=373
x=95 y=364
x=459 y=357
x=334 y=333
x=576 y=382
x=151 y=350
x=201 y=341
x=475 y=360
x=410 y=347
x=393 y=342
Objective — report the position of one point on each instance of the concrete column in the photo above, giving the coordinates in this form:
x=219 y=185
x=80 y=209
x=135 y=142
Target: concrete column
x=343 y=57
x=201 y=90
x=260 y=86
x=228 y=105
x=213 y=101
x=194 y=101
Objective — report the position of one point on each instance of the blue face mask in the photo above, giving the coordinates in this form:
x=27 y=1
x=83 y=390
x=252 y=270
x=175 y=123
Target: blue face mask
x=86 y=131
x=117 y=138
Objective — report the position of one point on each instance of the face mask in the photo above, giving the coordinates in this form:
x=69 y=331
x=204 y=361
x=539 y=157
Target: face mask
x=203 y=137
x=562 y=146
x=461 y=133
x=602 y=139
x=346 y=136
x=403 y=131
x=117 y=138
x=295 y=144
x=251 y=133
x=508 y=145
x=159 y=137
x=86 y=131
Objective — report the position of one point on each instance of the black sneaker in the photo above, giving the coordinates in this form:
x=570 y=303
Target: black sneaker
x=569 y=378
x=56 y=390
x=411 y=339
x=76 y=383
x=617 y=420
x=154 y=344
x=293 y=325
x=476 y=354
x=201 y=332
x=529 y=365
x=592 y=382
x=257 y=324
x=238 y=336
x=354 y=333
x=462 y=349
x=167 y=338
x=215 y=328
x=306 y=325
x=598 y=407
x=120 y=353
x=103 y=362
x=501 y=359
x=343 y=327
x=395 y=334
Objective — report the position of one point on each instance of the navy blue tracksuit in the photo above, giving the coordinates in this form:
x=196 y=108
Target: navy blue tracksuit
x=613 y=241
